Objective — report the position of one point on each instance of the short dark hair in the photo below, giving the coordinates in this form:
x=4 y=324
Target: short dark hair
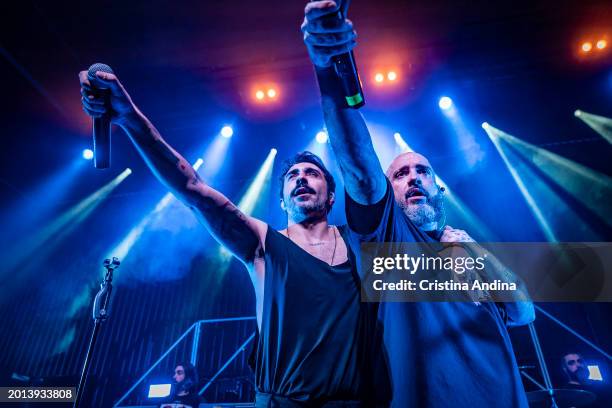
x=306 y=157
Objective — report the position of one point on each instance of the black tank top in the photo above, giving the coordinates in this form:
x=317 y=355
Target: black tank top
x=312 y=342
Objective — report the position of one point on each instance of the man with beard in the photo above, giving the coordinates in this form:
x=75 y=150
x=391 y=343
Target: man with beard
x=313 y=331
x=574 y=369
x=445 y=354
x=577 y=377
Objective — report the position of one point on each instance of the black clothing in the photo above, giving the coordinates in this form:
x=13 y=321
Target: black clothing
x=315 y=335
x=453 y=354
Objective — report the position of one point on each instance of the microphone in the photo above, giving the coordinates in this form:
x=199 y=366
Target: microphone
x=101 y=125
x=346 y=69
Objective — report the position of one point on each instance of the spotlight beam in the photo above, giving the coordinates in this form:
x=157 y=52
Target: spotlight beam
x=257 y=190
x=496 y=137
x=472 y=152
x=249 y=200
x=214 y=155
x=574 y=178
x=122 y=249
x=599 y=124
x=30 y=211
x=542 y=222
x=401 y=143
x=46 y=240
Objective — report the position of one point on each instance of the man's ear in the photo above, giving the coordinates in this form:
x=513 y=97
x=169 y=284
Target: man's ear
x=331 y=199
x=282 y=204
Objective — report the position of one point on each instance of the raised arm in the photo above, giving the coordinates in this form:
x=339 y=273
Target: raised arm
x=242 y=235
x=326 y=36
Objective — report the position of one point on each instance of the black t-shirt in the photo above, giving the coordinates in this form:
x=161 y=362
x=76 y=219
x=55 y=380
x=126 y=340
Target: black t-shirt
x=315 y=335
x=440 y=354
x=192 y=400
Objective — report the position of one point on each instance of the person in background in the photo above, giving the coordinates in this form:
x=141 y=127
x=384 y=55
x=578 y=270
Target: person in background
x=576 y=376
x=185 y=383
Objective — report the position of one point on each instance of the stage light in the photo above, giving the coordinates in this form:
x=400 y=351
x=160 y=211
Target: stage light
x=261 y=182
x=322 y=137
x=587 y=46
x=46 y=239
x=601 y=44
x=227 y=131
x=401 y=143
x=391 y=75
x=271 y=93
x=495 y=136
x=258 y=192
x=214 y=156
x=88 y=154
x=27 y=212
x=260 y=95
x=485 y=125
x=465 y=139
x=594 y=373
x=379 y=77
x=123 y=248
x=445 y=103
x=159 y=390
x=599 y=124
x=577 y=180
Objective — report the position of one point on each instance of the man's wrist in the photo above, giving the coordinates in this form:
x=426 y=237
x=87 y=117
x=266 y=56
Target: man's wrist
x=130 y=120
x=332 y=94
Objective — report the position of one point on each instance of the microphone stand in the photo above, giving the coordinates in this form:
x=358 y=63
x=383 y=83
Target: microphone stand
x=543 y=367
x=100 y=313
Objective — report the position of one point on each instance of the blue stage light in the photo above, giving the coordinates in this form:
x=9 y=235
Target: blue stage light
x=322 y=137
x=485 y=125
x=401 y=143
x=227 y=131
x=445 y=103
x=88 y=154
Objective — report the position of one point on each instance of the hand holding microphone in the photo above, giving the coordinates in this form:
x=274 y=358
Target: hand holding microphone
x=330 y=39
x=106 y=101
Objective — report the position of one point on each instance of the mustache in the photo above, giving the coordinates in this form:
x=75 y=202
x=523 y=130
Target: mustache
x=412 y=190
x=305 y=188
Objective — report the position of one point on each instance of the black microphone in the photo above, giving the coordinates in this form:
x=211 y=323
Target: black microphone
x=346 y=69
x=101 y=125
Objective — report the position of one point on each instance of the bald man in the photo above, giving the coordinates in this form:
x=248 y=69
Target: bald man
x=445 y=354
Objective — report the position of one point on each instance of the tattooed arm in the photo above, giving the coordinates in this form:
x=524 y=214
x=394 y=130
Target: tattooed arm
x=242 y=235
x=518 y=305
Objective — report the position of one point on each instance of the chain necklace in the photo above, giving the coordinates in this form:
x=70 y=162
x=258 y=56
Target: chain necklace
x=331 y=262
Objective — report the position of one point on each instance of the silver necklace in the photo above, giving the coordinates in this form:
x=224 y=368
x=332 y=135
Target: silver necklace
x=331 y=262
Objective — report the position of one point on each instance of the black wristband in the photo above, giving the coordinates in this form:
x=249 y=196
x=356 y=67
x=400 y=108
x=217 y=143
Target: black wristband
x=330 y=86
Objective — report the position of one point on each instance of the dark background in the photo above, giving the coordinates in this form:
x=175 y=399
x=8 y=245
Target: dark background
x=190 y=67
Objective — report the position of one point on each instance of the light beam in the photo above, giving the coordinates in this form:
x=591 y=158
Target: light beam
x=599 y=124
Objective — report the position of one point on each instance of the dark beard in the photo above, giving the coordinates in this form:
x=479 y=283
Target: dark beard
x=310 y=212
x=580 y=375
